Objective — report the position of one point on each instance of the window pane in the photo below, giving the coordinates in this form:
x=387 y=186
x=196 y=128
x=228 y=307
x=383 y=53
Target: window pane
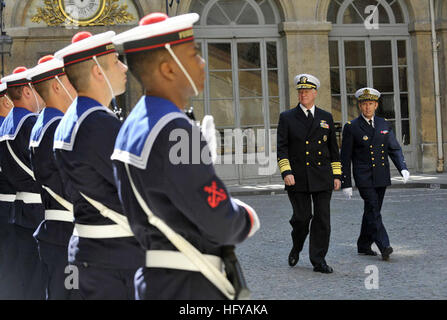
x=386 y=107
x=402 y=52
x=355 y=79
x=366 y=7
x=335 y=81
x=221 y=84
x=219 y=56
x=355 y=53
x=404 y=106
x=272 y=59
x=336 y=108
x=274 y=111
x=197 y=6
x=223 y=112
x=383 y=79
x=248 y=16
x=381 y=53
x=406 y=137
x=351 y=15
x=353 y=110
x=251 y=112
x=216 y=17
x=403 y=79
x=231 y=7
x=397 y=10
x=249 y=55
x=333 y=53
x=267 y=10
x=332 y=12
x=250 y=83
x=273 y=83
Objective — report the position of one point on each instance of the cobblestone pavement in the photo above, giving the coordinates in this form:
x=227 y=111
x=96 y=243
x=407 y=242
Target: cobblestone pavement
x=416 y=222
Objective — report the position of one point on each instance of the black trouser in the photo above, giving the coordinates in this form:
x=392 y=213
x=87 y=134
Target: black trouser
x=320 y=228
x=55 y=259
x=106 y=284
x=9 y=276
x=33 y=275
x=373 y=230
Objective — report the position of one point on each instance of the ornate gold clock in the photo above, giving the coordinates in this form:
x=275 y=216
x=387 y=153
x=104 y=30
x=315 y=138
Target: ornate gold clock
x=82 y=13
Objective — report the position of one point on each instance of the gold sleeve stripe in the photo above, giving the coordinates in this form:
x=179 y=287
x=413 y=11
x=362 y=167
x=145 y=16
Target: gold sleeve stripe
x=336 y=168
x=284 y=165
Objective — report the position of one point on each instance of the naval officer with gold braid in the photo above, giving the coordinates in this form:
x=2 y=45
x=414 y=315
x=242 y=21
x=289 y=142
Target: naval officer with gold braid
x=310 y=165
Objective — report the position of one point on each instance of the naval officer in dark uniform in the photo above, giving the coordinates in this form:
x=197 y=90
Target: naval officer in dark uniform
x=309 y=162
x=367 y=142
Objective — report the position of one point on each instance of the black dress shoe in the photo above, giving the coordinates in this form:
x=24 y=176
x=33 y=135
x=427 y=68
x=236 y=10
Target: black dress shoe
x=386 y=253
x=367 y=252
x=294 y=256
x=323 y=268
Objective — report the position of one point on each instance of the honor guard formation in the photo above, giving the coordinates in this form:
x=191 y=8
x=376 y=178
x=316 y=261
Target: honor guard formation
x=95 y=208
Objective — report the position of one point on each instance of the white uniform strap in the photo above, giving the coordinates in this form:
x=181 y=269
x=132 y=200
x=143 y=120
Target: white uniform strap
x=116 y=217
x=7 y=197
x=67 y=205
x=59 y=215
x=19 y=162
x=177 y=260
x=100 y=232
x=195 y=256
x=29 y=197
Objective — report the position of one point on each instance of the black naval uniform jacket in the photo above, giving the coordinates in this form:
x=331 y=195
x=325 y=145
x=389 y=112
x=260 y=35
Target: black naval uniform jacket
x=368 y=148
x=310 y=154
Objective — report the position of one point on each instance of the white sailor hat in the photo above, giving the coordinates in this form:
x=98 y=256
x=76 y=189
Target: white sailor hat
x=19 y=77
x=156 y=30
x=306 y=81
x=85 y=46
x=367 y=94
x=47 y=68
x=3 y=88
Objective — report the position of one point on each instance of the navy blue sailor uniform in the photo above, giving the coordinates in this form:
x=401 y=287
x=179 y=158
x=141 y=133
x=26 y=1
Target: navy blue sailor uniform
x=106 y=256
x=29 y=212
x=368 y=149
x=187 y=195
x=307 y=148
x=8 y=250
x=54 y=233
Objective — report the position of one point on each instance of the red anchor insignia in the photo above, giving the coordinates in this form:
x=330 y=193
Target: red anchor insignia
x=215 y=195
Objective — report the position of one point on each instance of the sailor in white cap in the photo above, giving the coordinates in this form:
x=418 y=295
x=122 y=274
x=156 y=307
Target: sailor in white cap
x=14 y=149
x=181 y=213
x=107 y=254
x=368 y=141
x=7 y=198
x=309 y=163
x=54 y=233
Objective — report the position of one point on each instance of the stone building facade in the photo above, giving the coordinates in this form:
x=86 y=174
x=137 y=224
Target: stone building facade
x=254 y=49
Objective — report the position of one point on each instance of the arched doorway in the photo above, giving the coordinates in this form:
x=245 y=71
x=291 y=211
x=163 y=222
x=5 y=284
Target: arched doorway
x=369 y=45
x=243 y=89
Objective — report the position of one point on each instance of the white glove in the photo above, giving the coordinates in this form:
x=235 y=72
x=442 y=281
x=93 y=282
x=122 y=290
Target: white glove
x=405 y=175
x=256 y=224
x=209 y=132
x=347 y=192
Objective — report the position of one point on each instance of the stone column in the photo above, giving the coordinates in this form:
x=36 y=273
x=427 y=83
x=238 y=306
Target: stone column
x=425 y=95
x=442 y=38
x=307 y=51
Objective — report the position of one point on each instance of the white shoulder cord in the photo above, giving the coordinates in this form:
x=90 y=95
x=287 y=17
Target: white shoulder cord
x=168 y=47
x=195 y=256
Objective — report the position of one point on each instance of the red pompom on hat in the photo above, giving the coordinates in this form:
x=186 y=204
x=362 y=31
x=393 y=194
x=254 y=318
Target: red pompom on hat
x=45 y=59
x=153 y=18
x=155 y=30
x=19 y=70
x=81 y=36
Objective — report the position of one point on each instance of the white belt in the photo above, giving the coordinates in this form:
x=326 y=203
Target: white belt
x=29 y=197
x=177 y=260
x=100 y=232
x=7 y=197
x=59 y=215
